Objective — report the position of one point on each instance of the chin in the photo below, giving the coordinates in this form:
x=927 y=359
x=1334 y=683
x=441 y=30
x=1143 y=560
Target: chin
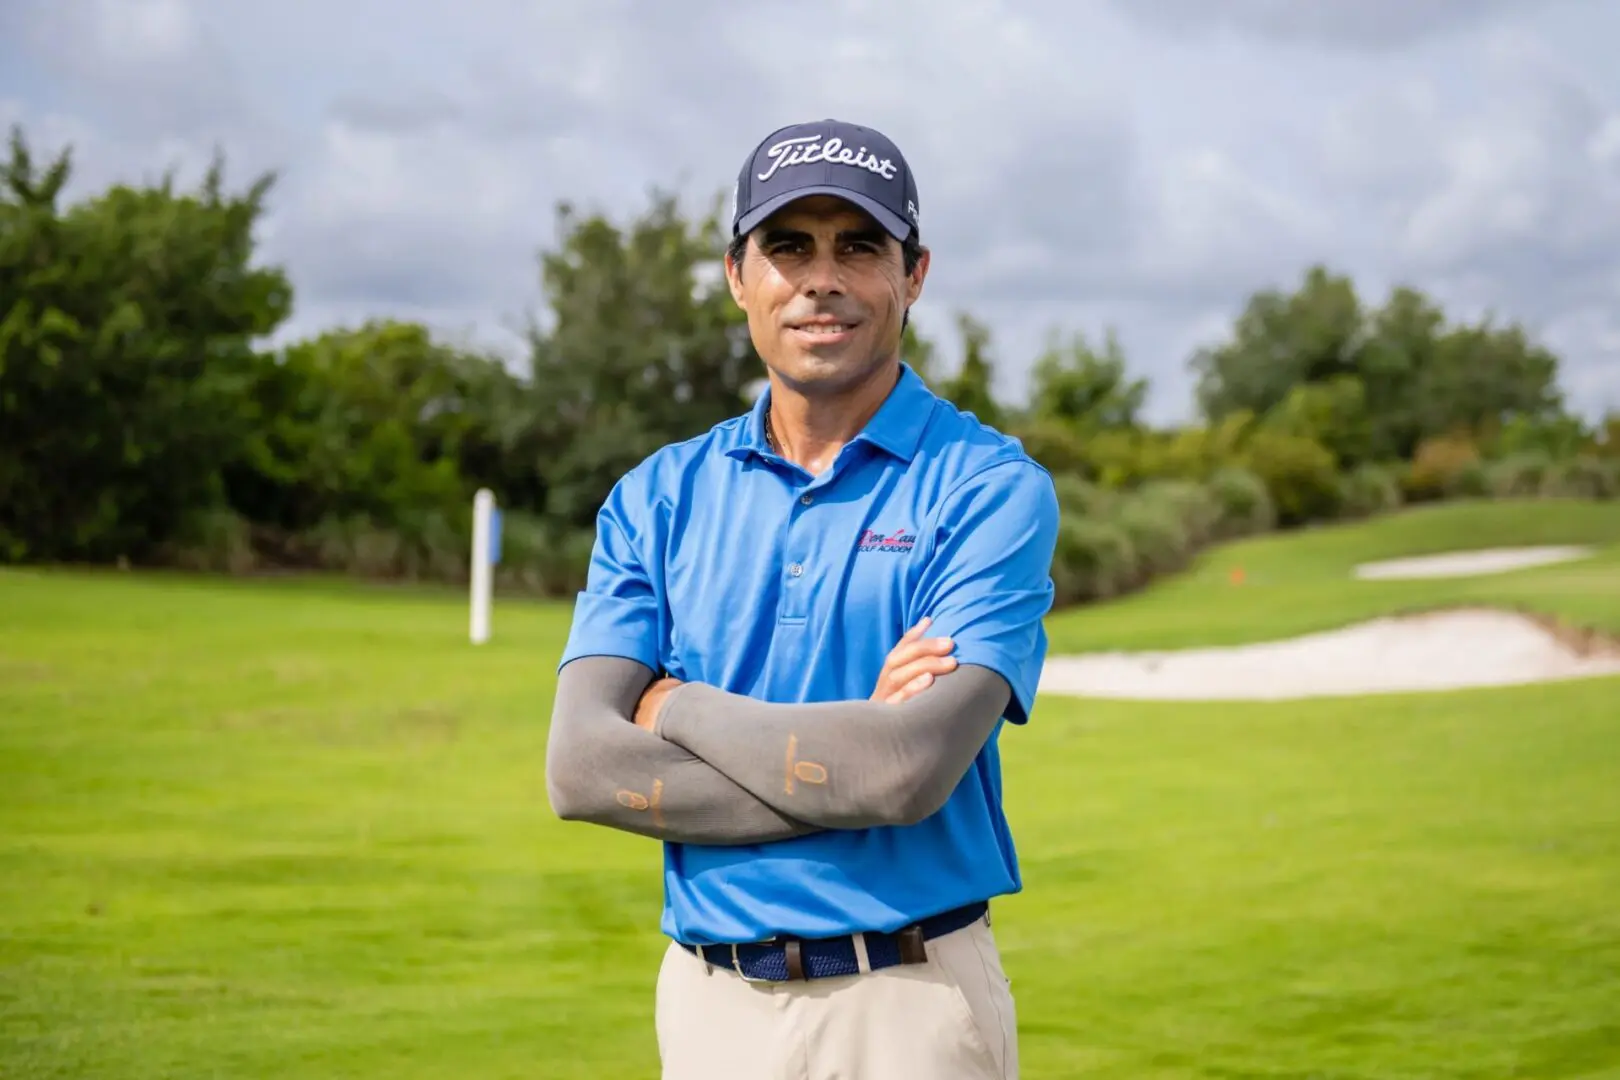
x=832 y=369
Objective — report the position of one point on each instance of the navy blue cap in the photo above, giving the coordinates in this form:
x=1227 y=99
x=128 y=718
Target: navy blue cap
x=827 y=158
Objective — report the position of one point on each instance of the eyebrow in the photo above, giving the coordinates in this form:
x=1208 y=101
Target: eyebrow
x=870 y=234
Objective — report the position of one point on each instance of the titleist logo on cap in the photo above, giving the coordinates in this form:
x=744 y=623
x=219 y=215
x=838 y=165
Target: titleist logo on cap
x=809 y=149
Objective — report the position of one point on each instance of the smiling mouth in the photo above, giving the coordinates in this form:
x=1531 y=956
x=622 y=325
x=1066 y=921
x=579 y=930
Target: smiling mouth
x=824 y=329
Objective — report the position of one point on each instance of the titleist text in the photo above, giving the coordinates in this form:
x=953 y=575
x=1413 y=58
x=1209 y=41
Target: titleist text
x=809 y=149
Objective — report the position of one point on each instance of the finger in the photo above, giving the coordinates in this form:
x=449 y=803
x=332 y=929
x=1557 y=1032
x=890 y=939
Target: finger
x=912 y=688
x=919 y=684
x=903 y=669
x=907 y=651
x=917 y=630
x=930 y=665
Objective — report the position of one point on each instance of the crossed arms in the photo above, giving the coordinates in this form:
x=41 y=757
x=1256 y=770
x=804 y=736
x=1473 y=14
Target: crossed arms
x=723 y=768
x=714 y=767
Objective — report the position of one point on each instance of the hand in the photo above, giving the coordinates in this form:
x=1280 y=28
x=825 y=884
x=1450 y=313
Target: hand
x=652 y=701
x=912 y=665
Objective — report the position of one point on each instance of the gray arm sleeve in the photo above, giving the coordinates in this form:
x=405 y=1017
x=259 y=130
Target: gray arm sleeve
x=602 y=768
x=843 y=764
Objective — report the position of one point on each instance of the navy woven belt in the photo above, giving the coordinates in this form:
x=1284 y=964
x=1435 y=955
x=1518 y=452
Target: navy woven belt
x=821 y=958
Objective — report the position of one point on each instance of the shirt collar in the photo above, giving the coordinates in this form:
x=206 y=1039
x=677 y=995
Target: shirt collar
x=896 y=428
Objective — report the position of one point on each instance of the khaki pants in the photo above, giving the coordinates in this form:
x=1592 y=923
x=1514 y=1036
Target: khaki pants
x=949 y=1019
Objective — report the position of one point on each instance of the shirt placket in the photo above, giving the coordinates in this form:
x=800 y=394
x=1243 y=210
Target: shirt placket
x=801 y=547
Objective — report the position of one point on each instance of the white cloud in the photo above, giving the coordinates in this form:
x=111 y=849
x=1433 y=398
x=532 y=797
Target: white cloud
x=1340 y=24
x=1079 y=166
x=145 y=31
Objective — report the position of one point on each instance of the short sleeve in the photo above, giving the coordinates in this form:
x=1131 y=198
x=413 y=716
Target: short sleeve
x=988 y=580
x=620 y=611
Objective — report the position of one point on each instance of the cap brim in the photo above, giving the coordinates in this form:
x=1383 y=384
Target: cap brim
x=896 y=226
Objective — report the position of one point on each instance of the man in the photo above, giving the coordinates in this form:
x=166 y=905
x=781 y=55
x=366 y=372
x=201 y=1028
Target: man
x=747 y=680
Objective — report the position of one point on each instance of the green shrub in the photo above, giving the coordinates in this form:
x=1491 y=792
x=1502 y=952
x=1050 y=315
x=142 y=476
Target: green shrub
x=1585 y=476
x=1436 y=465
x=432 y=547
x=1192 y=504
x=1559 y=437
x=216 y=541
x=1243 y=505
x=1608 y=436
x=1094 y=560
x=1609 y=468
x=425 y=546
x=13 y=548
x=1299 y=473
x=1157 y=535
x=1118 y=459
x=1056 y=446
x=539 y=556
x=354 y=545
x=1472 y=481
x=1332 y=412
x=1367 y=490
x=1518 y=476
x=1077 y=495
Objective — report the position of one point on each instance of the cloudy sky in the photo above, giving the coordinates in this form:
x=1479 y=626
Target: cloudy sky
x=1140 y=164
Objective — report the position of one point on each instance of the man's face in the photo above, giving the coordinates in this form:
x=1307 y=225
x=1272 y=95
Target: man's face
x=825 y=289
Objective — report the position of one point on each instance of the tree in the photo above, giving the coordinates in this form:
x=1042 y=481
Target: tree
x=1280 y=341
x=644 y=348
x=1086 y=389
x=970 y=388
x=126 y=339
x=1481 y=377
x=1333 y=413
x=379 y=422
x=1401 y=342
x=919 y=353
x=1310 y=356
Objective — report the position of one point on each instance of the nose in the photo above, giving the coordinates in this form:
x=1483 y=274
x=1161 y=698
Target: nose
x=823 y=274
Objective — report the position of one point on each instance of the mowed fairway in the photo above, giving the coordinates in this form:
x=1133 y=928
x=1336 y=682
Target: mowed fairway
x=292 y=829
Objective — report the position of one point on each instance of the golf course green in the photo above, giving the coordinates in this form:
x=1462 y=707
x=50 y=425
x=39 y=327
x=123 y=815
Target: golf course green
x=298 y=828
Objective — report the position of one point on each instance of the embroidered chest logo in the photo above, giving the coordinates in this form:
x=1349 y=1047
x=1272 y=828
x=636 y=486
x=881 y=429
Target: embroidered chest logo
x=901 y=540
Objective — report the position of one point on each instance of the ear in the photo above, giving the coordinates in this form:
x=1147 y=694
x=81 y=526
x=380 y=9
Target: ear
x=734 y=279
x=914 y=283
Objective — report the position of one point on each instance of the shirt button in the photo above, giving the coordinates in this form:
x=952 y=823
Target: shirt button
x=796 y=570
x=807 y=499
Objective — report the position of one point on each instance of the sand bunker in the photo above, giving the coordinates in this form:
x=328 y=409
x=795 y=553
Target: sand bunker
x=1468 y=563
x=1440 y=651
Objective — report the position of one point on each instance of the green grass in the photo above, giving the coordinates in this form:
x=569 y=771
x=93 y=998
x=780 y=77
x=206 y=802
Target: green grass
x=299 y=830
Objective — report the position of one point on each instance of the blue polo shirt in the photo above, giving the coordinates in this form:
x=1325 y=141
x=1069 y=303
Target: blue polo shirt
x=722 y=563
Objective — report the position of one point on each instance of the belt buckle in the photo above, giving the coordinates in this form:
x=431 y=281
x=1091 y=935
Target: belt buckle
x=736 y=965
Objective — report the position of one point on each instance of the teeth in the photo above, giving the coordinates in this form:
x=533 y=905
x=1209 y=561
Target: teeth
x=836 y=328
